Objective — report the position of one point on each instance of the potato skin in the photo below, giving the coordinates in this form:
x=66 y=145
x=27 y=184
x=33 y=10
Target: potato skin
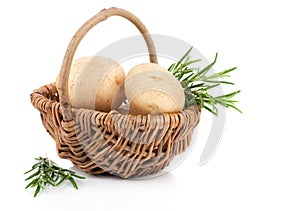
x=110 y=93
x=153 y=102
x=145 y=67
x=154 y=92
x=94 y=83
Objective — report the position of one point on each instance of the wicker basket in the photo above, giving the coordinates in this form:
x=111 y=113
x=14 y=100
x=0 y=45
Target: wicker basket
x=98 y=142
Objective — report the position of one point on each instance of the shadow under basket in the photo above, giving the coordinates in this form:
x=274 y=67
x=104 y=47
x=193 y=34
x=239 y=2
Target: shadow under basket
x=96 y=142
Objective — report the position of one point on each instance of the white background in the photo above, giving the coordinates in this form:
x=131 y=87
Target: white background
x=256 y=166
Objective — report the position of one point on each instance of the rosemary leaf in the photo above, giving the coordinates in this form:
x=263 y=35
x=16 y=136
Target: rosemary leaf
x=196 y=83
x=37 y=190
x=33 y=175
x=73 y=182
x=33 y=182
x=49 y=174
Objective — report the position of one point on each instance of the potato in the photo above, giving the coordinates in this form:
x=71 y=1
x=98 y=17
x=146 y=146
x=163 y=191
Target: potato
x=153 y=91
x=96 y=83
x=144 y=67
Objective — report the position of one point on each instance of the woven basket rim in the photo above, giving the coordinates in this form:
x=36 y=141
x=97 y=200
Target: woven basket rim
x=42 y=92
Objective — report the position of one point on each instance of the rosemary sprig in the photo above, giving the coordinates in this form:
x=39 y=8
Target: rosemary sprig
x=48 y=173
x=197 y=83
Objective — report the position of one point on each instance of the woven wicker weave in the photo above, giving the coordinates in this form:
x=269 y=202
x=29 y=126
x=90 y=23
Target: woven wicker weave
x=120 y=144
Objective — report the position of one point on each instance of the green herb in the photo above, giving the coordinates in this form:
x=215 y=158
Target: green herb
x=197 y=84
x=47 y=173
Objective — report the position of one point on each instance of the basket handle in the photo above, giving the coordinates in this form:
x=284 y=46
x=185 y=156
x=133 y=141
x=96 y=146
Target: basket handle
x=66 y=65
